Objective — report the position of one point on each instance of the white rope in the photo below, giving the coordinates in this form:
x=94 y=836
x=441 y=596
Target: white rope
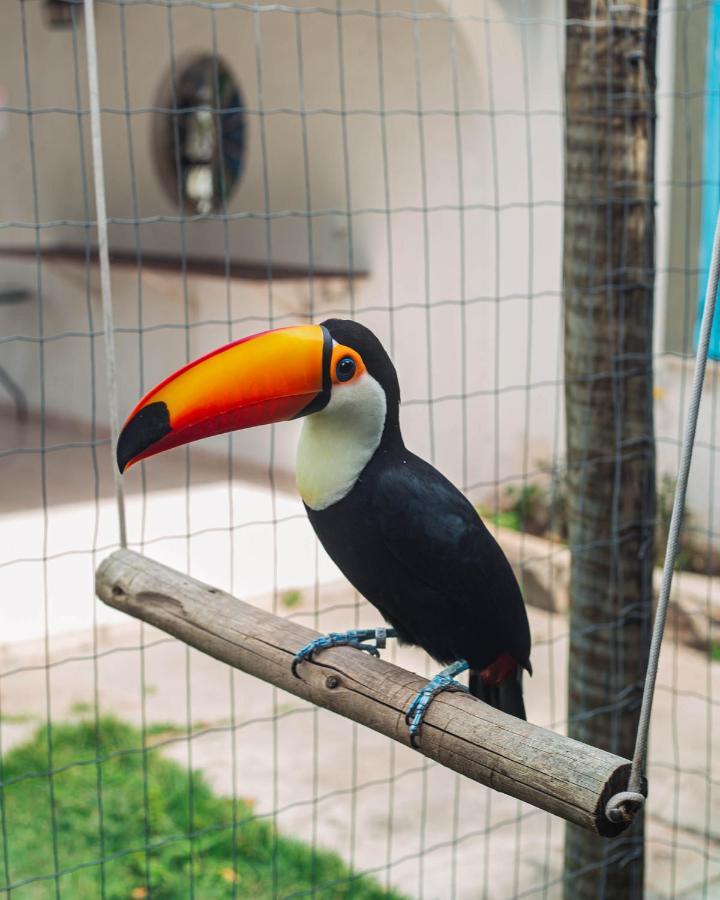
x=615 y=810
x=104 y=258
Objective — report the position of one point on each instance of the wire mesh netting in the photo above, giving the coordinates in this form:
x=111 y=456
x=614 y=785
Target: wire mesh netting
x=400 y=163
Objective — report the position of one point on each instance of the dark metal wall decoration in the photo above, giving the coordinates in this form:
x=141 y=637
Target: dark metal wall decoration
x=201 y=134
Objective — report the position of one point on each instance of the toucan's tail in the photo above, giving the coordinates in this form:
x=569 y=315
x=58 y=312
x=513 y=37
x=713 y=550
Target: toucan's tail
x=500 y=685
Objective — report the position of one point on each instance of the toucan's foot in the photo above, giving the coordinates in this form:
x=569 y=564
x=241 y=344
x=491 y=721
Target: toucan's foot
x=443 y=681
x=357 y=638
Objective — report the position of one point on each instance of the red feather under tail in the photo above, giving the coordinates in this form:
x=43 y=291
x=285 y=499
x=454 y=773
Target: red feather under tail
x=503 y=668
x=500 y=685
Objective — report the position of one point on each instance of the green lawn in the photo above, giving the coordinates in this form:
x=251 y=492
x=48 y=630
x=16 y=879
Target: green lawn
x=226 y=861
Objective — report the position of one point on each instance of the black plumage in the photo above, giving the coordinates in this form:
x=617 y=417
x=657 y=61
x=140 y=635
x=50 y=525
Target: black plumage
x=414 y=546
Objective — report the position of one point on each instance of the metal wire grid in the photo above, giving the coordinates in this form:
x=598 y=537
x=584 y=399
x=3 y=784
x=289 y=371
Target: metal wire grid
x=490 y=828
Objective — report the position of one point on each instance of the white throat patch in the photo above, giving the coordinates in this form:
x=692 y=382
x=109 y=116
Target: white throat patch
x=338 y=442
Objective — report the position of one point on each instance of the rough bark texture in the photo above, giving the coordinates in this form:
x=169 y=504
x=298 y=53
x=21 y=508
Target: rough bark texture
x=546 y=769
x=608 y=288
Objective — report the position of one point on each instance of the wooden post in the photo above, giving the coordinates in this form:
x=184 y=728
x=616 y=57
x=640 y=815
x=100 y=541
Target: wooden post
x=552 y=772
x=608 y=273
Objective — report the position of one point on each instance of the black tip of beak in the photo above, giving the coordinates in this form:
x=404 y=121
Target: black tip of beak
x=146 y=427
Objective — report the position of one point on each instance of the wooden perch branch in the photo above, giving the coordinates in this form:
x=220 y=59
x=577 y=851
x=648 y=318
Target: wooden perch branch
x=552 y=772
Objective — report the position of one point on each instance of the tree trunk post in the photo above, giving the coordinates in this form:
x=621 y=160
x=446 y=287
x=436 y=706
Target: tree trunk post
x=608 y=275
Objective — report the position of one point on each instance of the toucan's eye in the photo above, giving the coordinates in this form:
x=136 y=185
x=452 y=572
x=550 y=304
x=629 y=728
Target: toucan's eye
x=345 y=369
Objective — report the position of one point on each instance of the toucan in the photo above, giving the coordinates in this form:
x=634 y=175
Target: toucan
x=408 y=540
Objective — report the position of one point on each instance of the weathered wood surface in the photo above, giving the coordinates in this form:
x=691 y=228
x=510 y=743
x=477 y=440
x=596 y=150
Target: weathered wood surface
x=552 y=772
x=608 y=292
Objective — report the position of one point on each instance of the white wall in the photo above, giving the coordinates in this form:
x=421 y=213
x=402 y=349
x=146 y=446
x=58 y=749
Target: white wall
x=477 y=315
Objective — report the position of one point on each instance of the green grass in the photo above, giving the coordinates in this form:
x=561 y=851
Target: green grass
x=224 y=864
x=291 y=599
x=503 y=519
x=16 y=718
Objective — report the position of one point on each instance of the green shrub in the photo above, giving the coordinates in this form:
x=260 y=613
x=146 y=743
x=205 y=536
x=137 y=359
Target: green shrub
x=695 y=553
x=540 y=507
x=535 y=507
x=141 y=808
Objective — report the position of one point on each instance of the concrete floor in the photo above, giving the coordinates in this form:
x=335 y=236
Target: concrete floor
x=419 y=827
x=58 y=516
x=383 y=807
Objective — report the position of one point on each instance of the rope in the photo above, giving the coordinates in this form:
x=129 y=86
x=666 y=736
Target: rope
x=615 y=809
x=103 y=255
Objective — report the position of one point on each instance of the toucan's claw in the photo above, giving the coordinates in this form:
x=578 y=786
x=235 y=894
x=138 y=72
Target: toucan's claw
x=353 y=638
x=443 y=681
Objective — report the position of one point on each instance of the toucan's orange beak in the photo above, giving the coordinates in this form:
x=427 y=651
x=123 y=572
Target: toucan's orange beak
x=270 y=377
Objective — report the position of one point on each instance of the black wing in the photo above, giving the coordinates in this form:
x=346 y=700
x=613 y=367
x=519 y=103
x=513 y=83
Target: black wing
x=453 y=588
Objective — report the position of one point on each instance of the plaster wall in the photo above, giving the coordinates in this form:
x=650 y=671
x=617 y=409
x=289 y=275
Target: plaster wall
x=424 y=152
